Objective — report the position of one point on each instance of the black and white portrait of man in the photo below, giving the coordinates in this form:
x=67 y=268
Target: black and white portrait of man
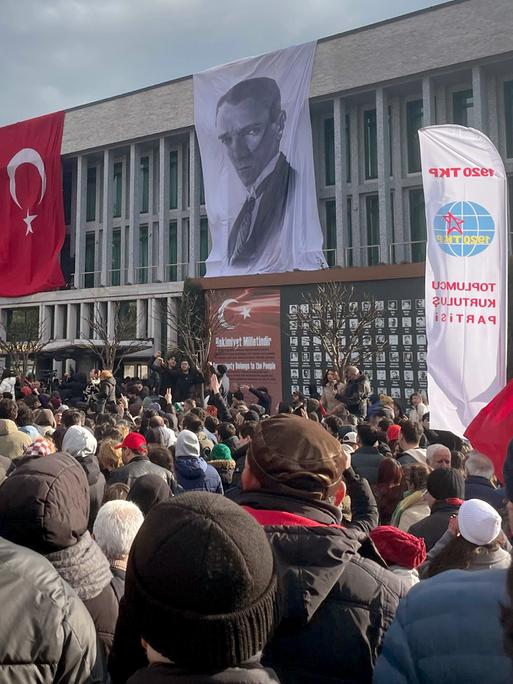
x=253 y=125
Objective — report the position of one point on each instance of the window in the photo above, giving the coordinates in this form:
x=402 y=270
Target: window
x=417 y=225
x=145 y=184
x=372 y=211
x=462 y=107
x=89 y=260
x=127 y=313
x=348 y=148
x=349 y=219
x=173 y=179
x=67 y=181
x=203 y=245
x=331 y=233
x=23 y=324
x=329 y=151
x=91 y=194
x=508 y=111
x=371 y=144
x=117 y=189
x=116 y=257
x=143 y=254
x=414 y=112
x=173 y=251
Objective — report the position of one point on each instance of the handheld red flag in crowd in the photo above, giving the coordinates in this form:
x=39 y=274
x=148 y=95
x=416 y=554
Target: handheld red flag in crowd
x=31 y=206
x=492 y=429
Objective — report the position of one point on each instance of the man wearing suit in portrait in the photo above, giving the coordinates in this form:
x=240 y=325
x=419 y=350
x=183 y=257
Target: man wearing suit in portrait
x=250 y=124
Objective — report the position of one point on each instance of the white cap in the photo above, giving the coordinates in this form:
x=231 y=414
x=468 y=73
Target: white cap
x=478 y=522
x=350 y=438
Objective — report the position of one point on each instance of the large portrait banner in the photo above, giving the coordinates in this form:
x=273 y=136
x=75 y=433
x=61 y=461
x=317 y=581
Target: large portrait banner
x=252 y=119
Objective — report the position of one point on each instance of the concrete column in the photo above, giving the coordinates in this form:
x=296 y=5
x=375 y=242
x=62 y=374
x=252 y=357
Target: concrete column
x=45 y=321
x=171 y=333
x=354 y=130
x=72 y=321
x=142 y=311
x=163 y=194
x=80 y=220
x=154 y=323
x=479 y=95
x=339 y=116
x=493 y=108
x=397 y=173
x=134 y=207
x=106 y=252
x=383 y=137
x=111 y=317
x=85 y=316
x=428 y=102
x=194 y=209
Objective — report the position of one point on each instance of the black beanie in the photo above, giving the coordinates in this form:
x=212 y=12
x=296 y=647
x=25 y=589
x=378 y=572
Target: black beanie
x=446 y=483
x=200 y=583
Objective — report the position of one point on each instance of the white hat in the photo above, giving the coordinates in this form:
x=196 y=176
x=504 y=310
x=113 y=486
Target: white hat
x=350 y=438
x=187 y=444
x=478 y=522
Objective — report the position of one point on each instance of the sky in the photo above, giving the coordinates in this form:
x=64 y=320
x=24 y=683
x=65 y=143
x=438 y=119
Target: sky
x=57 y=54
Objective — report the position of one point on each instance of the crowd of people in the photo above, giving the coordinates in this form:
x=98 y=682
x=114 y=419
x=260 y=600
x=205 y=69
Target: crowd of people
x=179 y=529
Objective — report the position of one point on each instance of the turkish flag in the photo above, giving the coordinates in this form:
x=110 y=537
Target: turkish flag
x=492 y=429
x=31 y=206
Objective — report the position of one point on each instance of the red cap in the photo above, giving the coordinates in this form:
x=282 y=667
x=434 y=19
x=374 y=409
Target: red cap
x=133 y=441
x=393 y=432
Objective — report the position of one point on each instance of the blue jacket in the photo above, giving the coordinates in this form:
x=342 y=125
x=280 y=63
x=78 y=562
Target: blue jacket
x=447 y=630
x=194 y=473
x=477 y=487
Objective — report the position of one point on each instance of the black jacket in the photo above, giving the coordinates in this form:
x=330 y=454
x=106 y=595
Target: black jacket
x=477 y=487
x=355 y=395
x=46 y=634
x=186 y=384
x=366 y=461
x=140 y=465
x=435 y=525
x=339 y=598
x=161 y=673
x=106 y=394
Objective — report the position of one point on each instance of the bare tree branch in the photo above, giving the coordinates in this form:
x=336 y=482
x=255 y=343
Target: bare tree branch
x=22 y=341
x=328 y=312
x=112 y=343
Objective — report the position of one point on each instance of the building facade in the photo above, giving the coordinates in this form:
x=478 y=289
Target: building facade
x=132 y=182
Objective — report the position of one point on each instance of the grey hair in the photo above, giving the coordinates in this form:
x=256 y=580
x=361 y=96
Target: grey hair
x=433 y=448
x=115 y=528
x=479 y=464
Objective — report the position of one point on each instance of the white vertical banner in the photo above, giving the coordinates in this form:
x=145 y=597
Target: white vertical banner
x=466 y=272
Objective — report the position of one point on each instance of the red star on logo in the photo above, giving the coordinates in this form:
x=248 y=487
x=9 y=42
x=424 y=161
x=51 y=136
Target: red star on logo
x=454 y=225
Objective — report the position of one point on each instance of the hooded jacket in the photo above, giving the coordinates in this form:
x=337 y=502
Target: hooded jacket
x=194 y=473
x=80 y=443
x=13 y=442
x=339 y=600
x=448 y=630
x=46 y=633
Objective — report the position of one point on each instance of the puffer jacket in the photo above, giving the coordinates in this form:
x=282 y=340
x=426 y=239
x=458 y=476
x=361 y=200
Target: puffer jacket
x=138 y=466
x=162 y=673
x=447 y=630
x=339 y=600
x=366 y=461
x=194 y=473
x=46 y=633
x=13 y=442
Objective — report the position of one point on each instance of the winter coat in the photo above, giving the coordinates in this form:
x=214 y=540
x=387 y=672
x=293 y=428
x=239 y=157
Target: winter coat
x=194 y=473
x=139 y=465
x=264 y=399
x=186 y=384
x=412 y=456
x=355 y=395
x=161 y=673
x=225 y=469
x=329 y=393
x=416 y=413
x=435 y=525
x=339 y=600
x=448 y=631
x=46 y=634
x=8 y=385
x=366 y=461
x=410 y=510
x=13 y=442
x=477 y=487
x=106 y=393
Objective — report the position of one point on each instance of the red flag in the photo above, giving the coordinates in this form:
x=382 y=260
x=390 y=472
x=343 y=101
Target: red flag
x=492 y=429
x=31 y=206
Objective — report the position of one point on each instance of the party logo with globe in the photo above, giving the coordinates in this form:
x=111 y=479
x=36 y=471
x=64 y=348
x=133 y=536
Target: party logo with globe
x=463 y=229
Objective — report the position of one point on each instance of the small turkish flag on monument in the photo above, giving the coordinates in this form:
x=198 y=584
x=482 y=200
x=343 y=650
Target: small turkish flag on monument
x=492 y=429
x=31 y=206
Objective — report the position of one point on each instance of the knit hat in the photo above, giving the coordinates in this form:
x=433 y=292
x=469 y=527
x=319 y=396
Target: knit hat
x=200 y=583
x=187 y=444
x=294 y=456
x=397 y=547
x=446 y=483
x=478 y=522
x=393 y=433
x=39 y=447
x=149 y=490
x=220 y=452
x=133 y=441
